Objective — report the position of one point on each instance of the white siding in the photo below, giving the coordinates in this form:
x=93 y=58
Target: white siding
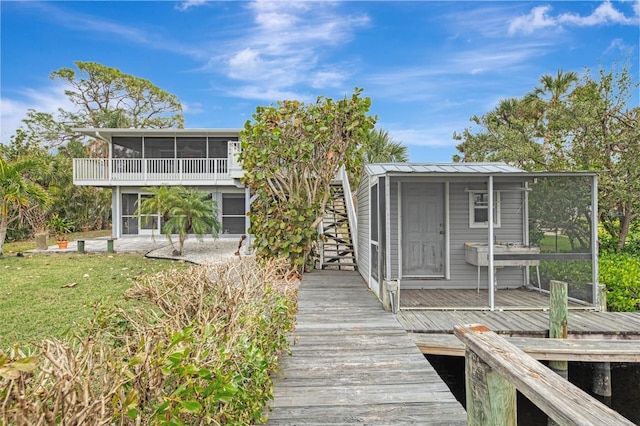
x=363 y=228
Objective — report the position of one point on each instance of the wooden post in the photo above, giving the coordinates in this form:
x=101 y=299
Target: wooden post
x=558 y=398
x=110 y=246
x=602 y=370
x=558 y=324
x=491 y=399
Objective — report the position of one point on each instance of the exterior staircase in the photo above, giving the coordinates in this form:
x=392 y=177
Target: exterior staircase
x=337 y=251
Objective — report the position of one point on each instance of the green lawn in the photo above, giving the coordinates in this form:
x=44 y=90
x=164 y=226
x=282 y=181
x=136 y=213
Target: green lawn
x=34 y=304
x=22 y=246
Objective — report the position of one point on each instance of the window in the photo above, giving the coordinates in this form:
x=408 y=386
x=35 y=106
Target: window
x=126 y=147
x=479 y=209
x=159 y=148
x=233 y=214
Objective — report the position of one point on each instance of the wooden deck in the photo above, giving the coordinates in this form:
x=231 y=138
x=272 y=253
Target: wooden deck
x=473 y=300
x=581 y=324
x=354 y=363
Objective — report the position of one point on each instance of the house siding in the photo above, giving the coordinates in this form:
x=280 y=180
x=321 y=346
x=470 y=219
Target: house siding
x=462 y=274
x=363 y=229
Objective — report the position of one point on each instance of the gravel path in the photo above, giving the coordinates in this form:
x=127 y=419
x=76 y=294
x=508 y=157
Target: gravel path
x=208 y=250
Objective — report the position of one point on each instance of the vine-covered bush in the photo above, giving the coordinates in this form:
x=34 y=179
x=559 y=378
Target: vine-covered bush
x=292 y=151
x=199 y=350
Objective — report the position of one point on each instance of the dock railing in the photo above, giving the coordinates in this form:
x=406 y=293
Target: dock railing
x=495 y=369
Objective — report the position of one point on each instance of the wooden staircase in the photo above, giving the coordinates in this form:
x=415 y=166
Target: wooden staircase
x=337 y=249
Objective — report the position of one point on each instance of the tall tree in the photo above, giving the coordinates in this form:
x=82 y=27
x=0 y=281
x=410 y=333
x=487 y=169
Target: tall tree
x=16 y=190
x=382 y=148
x=106 y=97
x=573 y=124
x=509 y=135
x=291 y=152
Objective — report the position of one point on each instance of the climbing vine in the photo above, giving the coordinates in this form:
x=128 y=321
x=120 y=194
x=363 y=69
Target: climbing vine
x=291 y=152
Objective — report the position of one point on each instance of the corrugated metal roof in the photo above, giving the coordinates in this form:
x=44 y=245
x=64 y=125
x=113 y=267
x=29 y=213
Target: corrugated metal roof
x=441 y=168
x=110 y=132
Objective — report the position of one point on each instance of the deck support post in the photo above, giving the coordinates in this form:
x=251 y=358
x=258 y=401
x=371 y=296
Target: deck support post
x=491 y=399
x=602 y=370
x=558 y=326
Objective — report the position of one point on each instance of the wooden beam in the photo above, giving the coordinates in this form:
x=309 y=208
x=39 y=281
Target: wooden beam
x=565 y=403
x=585 y=350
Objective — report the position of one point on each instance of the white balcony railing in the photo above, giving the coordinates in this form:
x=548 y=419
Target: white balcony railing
x=150 y=170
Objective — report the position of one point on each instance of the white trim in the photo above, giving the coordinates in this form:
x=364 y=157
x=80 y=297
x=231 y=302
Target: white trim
x=400 y=276
x=447 y=237
x=594 y=241
x=490 y=222
x=472 y=208
x=387 y=213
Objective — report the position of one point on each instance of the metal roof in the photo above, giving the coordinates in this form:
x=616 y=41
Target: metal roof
x=440 y=168
x=107 y=133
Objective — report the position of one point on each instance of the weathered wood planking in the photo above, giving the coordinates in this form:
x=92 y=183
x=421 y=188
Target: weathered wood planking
x=354 y=363
x=469 y=299
x=586 y=350
x=582 y=324
x=490 y=396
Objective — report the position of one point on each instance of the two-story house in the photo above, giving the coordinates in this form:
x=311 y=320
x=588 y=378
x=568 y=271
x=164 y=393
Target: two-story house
x=141 y=158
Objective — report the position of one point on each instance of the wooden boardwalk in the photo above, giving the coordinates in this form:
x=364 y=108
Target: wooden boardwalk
x=354 y=363
x=581 y=324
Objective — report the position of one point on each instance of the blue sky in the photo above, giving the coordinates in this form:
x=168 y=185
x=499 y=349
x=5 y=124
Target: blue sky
x=428 y=66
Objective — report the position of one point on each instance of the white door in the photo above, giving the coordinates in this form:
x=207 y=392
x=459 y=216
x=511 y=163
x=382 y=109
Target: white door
x=423 y=230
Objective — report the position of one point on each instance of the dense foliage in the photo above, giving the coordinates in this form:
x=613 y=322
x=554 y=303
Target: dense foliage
x=101 y=97
x=200 y=350
x=291 y=152
x=621 y=274
x=570 y=123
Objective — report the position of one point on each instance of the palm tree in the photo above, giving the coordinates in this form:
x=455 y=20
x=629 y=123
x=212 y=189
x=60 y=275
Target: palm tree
x=547 y=100
x=184 y=211
x=17 y=191
x=381 y=148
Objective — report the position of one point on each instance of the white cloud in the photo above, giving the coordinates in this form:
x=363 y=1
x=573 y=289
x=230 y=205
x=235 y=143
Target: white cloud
x=288 y=43
x=192 y=107
x=618 y=44
x=189 y=4
x=540 y=17
x=268 y=95
x=45 y=99
x=602 y=15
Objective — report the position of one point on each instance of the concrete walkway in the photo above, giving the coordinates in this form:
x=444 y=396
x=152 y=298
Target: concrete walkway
x=200 y=252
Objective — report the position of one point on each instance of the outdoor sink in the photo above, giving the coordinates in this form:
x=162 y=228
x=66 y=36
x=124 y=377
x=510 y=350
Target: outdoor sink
x=478 y=254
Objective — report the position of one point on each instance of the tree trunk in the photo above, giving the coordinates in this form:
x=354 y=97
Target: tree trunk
x=3 y=231
x=625 y=223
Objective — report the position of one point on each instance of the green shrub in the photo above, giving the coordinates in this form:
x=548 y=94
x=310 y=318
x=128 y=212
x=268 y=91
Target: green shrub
x=200 y=350
x=621 y=274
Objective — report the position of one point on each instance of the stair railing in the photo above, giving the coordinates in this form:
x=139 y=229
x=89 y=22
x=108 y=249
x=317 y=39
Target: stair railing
x=351 y=209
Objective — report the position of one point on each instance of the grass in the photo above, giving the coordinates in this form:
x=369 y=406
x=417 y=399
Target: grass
x=35 y=305
x=23 y=246
x=548 y=244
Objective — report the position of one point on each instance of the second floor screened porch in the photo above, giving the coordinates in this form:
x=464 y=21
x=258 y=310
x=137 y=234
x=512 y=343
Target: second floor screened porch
x=161 y=156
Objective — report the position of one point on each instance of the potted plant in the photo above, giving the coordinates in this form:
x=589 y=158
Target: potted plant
x=61 y=226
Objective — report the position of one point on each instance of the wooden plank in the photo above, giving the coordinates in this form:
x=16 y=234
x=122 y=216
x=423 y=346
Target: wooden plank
x=352 y=362
x=559 y=399
x=586 y=350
